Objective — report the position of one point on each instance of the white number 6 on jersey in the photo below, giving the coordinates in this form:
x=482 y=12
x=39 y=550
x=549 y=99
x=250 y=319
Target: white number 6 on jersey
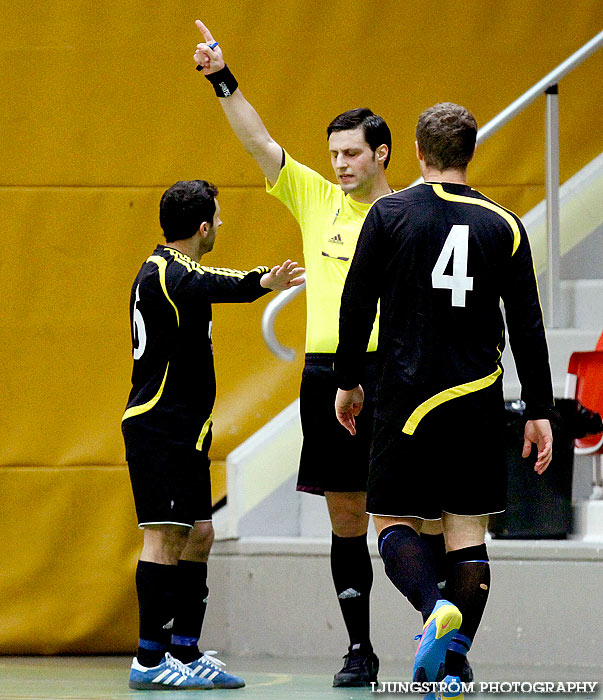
x=140 y=332
x=456 y=246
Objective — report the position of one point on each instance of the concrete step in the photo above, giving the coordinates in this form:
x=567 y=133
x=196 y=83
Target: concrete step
x=275 y=596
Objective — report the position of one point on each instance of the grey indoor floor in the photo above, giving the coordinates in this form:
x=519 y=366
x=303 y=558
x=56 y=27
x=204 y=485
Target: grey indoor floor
x=106 y=678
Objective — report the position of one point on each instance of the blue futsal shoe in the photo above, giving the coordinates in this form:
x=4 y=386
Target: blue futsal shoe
x=438 y=630
x=171 y=674
x=450 y=689
x=210 y=668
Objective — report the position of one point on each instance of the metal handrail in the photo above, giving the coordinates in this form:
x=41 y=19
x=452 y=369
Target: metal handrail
x=270 y=313
x=543 y=86
x=540 y=88
x=536 y=91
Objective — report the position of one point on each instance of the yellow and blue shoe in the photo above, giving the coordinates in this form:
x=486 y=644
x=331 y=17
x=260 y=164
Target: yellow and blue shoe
x=438 y=630
x=208 y=667
x=450 y=689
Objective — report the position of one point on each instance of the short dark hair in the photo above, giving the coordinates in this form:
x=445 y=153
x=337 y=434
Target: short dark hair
x=376 y=131
x=185 y=206
x=446 y=136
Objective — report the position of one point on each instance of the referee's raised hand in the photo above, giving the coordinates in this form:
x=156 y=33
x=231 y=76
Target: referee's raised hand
x=208 y=55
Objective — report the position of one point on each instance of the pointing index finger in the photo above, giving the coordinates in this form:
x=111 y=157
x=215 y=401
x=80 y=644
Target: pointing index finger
x=205 y=31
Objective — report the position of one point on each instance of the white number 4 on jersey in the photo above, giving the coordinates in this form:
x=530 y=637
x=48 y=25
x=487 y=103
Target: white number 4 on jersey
x=456 y=246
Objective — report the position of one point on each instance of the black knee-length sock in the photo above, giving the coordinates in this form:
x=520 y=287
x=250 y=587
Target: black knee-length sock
x=409 y=566
x=437 y=546
x=189 y=609
x=467 y=586
x=155 y=584
x=352 y=571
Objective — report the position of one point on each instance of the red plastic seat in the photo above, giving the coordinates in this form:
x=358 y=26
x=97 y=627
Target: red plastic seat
x=585 y=383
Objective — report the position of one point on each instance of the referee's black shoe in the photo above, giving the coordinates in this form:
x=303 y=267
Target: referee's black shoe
x=360 y=668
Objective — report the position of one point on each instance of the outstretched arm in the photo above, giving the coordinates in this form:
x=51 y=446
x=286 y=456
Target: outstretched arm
x=243 y=118
x=225 y=285
x=282 y=277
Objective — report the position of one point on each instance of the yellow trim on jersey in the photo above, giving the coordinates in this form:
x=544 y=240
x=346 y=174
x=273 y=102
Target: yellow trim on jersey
x=143 y=408
x=439 y=190
x=162 y=265
x=224 y=271
x=184 y=260
x=191 y=265
x=447 y=395
x=204 y=431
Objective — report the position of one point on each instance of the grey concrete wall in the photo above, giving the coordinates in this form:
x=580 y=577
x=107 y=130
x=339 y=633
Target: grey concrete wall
x=278 y=515
x=275 y=597
x=584 y=261
x=288 y=513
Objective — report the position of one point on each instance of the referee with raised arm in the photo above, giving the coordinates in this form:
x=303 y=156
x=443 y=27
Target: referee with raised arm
x=167 y=432
x=330 y=217
x=440 y=256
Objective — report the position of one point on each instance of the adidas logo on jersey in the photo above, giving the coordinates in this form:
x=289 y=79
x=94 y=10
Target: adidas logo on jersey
x=336 y=239
x=349 y=593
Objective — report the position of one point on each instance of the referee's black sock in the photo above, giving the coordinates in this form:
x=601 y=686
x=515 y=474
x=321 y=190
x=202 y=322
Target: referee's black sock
x=437 y=545
x=189 y=610
x=468 y=586
x=155 y=588
x=409 y=566
x=352 y=571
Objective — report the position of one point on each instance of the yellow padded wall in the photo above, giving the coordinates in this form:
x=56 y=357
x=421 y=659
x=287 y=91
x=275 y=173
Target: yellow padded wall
x=103 y=110
x=105 y=94
x=66 y=581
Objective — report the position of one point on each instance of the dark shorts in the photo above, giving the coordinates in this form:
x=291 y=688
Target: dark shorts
x=170 y=482
x=331 y=459
x=453 y=463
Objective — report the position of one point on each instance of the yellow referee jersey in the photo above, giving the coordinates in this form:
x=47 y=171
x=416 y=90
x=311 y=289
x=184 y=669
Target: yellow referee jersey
x=330 y=223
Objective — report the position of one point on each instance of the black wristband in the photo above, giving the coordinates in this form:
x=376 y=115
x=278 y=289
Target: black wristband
x=223 y=81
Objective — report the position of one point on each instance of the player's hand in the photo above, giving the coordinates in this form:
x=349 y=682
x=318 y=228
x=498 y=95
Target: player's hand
x=283 y=276
x=539 y=432
x=211 y=60
x=348 y=404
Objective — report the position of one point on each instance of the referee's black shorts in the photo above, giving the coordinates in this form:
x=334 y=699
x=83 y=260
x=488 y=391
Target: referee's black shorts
x=331 y=459
x=170 y=481
x=454 y=462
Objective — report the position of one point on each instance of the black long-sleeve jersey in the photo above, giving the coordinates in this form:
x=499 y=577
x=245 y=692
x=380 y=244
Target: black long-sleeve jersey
x=173 y=379
x=440 y=257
